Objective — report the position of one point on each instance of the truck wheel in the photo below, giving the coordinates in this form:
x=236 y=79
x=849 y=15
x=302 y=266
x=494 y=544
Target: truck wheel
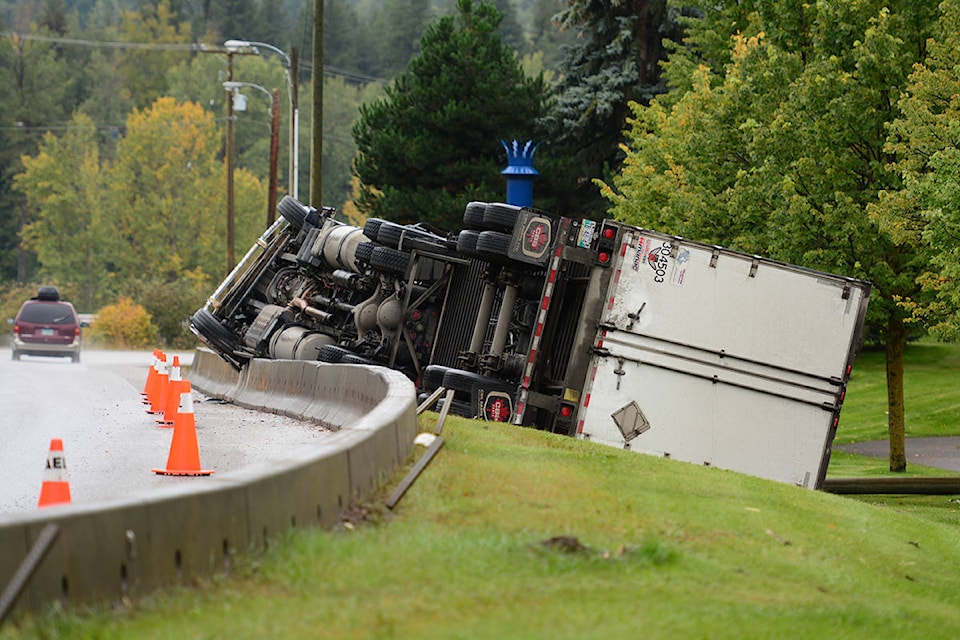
x=473 y=215
x=218 y=336
x=466 y=382
x=433 y=377
x=371 y=227
x=467 y=242
x=457 y=407
x=294 y=211
x=353 y=358
x=494 y=244
x=387 y=260
x=331 y=353
x=500 y=217
x=390 y=234
x=363 y=252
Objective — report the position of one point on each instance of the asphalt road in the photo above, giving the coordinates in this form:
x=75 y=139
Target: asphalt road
x=110 y=443
x=940 y=453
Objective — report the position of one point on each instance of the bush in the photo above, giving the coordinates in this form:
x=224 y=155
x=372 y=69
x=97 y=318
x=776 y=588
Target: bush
x=123 y=325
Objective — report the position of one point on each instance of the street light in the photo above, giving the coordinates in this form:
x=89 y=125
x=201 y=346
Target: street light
x=233 y=87
x=290 y=71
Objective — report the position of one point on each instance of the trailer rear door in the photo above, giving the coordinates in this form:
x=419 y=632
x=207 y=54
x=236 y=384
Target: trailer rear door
x=720 y=358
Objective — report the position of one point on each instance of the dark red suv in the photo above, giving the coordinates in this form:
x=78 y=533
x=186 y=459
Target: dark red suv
x=47 y=326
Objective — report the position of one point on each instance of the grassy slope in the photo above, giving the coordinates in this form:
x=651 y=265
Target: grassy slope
x=672 y=551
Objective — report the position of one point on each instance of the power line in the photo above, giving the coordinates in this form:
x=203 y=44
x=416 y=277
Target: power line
x=354 y=76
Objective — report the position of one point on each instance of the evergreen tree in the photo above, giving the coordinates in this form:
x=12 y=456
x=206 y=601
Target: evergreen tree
x=615 y=60
x=398 y=27
x=432 y=144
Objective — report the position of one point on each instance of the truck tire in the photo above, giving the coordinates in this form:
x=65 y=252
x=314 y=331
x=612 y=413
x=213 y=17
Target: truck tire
x=353 y=358
x=432 y=378
x=473 y=215
x=469 y=385
x=467 y=242
x=363 y=252
x=457 y=407
x=387 y=260
x=218 y=336
x=371 y=227
x=494 y=245
x=500 y=217
x=331 y=353
x=293 y=211
x=390 y=235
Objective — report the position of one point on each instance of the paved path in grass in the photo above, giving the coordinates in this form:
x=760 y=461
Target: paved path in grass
x=941 y=453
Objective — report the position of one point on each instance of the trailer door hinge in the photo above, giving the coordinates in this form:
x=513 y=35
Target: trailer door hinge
x=603 y=352
x=619 y=372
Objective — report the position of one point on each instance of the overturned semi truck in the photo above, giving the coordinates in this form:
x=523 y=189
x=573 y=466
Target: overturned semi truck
x=596 y=329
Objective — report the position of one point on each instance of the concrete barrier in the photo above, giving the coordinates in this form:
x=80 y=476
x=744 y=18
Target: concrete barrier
x=125 y=548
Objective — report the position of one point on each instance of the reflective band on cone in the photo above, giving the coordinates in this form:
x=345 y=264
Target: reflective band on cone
x=55 y=489
x=184 y=458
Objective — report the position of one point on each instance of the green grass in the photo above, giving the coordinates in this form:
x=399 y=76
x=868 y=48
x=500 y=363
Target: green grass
x=931 y=394
x=668 y=550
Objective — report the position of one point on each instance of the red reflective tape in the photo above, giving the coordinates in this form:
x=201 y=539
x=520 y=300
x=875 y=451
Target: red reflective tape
x=580 y=428
x=546 y=303
x=586 y=401
x=532 y=356
x=539 y=329
x=623 y=249
x=553 y=276
x=526 y=382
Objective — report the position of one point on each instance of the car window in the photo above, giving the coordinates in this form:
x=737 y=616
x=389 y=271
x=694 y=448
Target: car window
x=47 y=313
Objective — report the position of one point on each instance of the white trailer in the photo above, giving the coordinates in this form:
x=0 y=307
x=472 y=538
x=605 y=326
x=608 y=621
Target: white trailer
x=721 y=359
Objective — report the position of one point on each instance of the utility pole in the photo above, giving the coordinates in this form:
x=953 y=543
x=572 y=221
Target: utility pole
x=228 y=152
x=316 y=156
x=229 y=158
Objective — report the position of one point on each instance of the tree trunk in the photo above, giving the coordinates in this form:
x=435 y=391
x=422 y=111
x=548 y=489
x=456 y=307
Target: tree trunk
x=895 y=339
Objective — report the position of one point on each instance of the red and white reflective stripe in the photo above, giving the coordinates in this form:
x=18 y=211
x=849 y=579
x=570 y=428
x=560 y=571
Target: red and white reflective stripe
x=545 y=300
x=586 y=400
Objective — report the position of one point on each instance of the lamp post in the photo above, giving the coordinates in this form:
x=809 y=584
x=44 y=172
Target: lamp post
x=290 y=71
x=233 y=88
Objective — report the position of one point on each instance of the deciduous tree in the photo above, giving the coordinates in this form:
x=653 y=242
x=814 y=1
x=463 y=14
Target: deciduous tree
x=781 y=149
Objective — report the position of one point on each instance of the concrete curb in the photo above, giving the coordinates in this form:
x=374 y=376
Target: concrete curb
x=126 y=548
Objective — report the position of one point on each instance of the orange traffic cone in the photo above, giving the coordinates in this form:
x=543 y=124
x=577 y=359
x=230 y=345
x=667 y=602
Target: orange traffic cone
x=150 y=374
x=184 y=458
x=159 y=397
x=151 y=388
x=171 y=401
x=55 y=489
